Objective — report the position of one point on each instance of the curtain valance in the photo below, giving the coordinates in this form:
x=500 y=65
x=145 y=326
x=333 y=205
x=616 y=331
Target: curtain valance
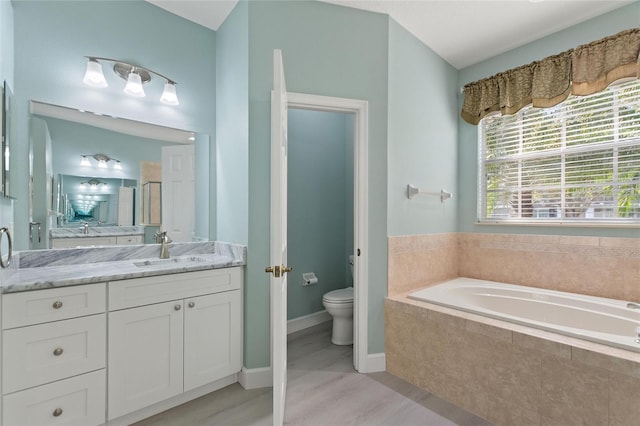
x=584 y=70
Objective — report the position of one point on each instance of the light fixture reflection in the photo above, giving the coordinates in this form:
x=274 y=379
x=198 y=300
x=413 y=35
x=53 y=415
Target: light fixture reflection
x=102 y=160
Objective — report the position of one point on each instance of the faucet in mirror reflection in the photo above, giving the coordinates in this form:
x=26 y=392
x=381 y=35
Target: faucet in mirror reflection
x=164 y=240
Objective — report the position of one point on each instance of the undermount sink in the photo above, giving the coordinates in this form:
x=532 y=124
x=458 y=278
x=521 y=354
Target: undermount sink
x=173 y=260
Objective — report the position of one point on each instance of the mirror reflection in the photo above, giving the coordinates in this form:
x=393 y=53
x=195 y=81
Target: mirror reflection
x=89 y=170
x=95 y=200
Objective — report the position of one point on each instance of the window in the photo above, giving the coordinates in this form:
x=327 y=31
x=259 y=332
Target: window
x=576 y=162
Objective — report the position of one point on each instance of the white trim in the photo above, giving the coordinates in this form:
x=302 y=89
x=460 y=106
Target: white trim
x=375 y=363
x=307 y=321
x=253 y=378
x=361 y=208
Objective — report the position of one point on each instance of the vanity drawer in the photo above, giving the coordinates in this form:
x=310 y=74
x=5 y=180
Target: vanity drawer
x=162 y=288
x=38 y=306
x=129 y=240
x=43 y=353
x=78 y=401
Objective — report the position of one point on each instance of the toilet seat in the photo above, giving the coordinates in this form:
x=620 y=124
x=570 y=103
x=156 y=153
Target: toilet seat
x=340 y=296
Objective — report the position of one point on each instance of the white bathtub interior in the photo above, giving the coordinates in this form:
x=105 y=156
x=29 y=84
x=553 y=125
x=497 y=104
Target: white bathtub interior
x=595 y=319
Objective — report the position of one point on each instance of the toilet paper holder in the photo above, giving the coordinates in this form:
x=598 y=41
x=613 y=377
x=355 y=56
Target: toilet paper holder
x=309 y=278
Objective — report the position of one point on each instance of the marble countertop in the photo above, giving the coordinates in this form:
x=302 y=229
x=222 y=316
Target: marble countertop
x=96 y=231
x=111 y=264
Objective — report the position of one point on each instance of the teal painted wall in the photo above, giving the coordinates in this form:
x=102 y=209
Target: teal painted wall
x=327 y=50
x=422 y=142
x=51 y=39
x=232 y=119
x=319 y=179
x=594 y=29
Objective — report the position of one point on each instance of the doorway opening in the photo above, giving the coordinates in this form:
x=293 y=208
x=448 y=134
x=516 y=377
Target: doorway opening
x=349 y=175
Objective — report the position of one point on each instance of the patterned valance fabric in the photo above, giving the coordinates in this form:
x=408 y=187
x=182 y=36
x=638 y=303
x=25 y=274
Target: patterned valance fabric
x=582 y=71
x=598 y=64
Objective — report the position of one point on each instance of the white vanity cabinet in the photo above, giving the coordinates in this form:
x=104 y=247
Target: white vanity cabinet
x=170 y=334
x=119 y=240
x=127 y=240
x=81 y=242
x=54 y=356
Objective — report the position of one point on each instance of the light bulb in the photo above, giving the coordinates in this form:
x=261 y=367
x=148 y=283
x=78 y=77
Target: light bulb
x=102 y=164
x=85 y=161
x=134 y=85
x=117 y=166
x=93 y=76
x=169 y=95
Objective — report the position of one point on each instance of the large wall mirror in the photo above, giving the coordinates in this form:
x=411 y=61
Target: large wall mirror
x=88 y=168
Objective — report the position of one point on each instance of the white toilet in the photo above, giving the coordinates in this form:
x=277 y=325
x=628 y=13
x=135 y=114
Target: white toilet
x=339 y=304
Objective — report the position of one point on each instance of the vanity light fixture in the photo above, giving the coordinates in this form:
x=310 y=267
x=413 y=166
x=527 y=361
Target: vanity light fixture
x=93 y=182
x=135 y=76
x=102 y=160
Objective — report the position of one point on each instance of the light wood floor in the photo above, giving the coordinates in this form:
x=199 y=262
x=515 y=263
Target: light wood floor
x=323 y=390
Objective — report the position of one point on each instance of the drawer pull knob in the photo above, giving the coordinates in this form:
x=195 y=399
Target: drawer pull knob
x=57 y=412
x=58 y=351
x=192 y=304
x=177 y=307
x=57 y=304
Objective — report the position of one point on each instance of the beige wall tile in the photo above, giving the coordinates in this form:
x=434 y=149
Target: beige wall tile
x=508 y=414
x=624 y=397
x=525 y=341
x=605 y=267
x=489 y=331
x=420 y=260
x=573 y=393
x=607 y=362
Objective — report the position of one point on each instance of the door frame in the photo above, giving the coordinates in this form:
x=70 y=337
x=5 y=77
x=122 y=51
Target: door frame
x=360 y=109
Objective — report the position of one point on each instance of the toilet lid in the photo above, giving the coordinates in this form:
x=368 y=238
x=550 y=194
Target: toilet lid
x=343 y=295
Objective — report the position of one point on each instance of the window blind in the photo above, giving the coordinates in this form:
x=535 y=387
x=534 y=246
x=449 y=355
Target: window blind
x=576 y=162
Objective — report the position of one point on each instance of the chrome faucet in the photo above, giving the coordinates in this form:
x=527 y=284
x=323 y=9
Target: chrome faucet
x=86 y=228
x=164 y=241
x=633 y=306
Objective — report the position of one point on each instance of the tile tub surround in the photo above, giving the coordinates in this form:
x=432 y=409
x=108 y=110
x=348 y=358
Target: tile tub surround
x=416 y=261
x=507 y=373
x=596 y=266
x=96 y=231
x=37 y=269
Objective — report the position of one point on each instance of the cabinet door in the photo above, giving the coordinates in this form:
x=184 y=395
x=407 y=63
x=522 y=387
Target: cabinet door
x=212 y=338
x=145 y=356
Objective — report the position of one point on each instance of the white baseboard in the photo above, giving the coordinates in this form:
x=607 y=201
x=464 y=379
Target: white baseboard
x=307 y=321
x=374 y=363
x=253 y=378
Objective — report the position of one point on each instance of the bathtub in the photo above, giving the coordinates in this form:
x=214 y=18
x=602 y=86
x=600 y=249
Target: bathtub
x=596 y=319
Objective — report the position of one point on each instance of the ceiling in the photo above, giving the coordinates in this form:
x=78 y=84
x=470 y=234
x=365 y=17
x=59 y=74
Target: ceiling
x=463 y=32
